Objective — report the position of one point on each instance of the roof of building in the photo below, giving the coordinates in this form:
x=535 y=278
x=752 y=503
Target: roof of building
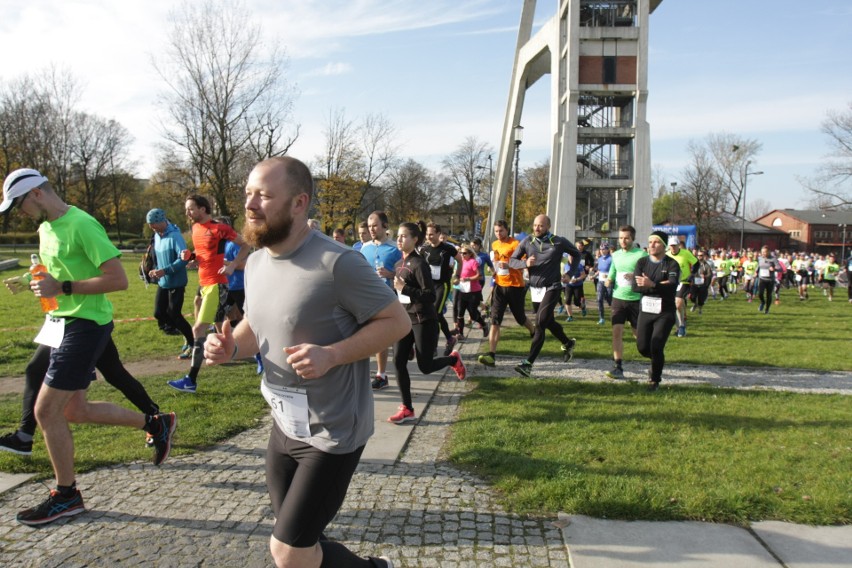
x=815 y=216
x=733 y=223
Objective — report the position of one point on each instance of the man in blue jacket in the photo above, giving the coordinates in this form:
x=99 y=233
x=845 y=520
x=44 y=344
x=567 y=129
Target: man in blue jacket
x=170 y=272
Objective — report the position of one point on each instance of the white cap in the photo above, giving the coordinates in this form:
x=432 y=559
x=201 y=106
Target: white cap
x=673 y=240
x=19 y=183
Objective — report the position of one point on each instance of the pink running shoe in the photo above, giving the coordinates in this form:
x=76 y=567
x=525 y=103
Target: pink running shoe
x=459 y=367
x=404 y=415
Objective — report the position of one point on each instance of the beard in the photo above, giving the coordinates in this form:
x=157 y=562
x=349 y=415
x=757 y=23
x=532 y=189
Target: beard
x=269 y=233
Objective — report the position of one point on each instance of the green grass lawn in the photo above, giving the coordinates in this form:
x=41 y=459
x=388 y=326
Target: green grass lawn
x=615 y=451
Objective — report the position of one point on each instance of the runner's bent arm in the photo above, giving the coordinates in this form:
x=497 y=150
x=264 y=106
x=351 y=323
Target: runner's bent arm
x=390 y=324
x=219 y=347
x=111 y=279
x=240 y=259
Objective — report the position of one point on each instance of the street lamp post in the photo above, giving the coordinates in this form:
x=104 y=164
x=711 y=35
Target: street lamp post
x=490 y=190
x=843 y=245
x=742 y=209
x=519 y=136
x=674 y=192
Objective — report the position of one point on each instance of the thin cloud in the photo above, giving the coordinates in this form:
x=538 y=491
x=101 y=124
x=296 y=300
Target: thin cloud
x=308 y=31
x=331 y=69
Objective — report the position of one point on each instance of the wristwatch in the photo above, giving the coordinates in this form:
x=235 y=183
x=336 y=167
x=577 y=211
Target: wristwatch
x=66 y=287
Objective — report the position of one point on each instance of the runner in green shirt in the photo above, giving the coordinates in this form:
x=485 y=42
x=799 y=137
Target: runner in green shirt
x=685 y=260
x=749 y=272
x=625 y=302
x=829 y=275
x=81 y=267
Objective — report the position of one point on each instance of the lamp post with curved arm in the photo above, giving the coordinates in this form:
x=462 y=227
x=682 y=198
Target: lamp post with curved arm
x=742 y=210
x=519 y=137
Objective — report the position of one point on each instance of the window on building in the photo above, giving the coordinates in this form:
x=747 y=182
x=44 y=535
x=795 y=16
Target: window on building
x=777 y=222
x=795 y=234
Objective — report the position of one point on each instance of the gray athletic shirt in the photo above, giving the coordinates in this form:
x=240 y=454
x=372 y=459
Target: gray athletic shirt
x=320 y=293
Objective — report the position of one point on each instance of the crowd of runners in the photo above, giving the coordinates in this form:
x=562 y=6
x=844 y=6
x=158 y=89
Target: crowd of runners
x=313 y=347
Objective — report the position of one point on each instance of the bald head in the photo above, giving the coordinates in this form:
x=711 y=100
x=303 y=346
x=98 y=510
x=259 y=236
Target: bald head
x=541 y=225
x=287 y=173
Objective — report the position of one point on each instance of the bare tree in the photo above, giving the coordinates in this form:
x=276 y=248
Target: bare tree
x=378 y=155
x=411 y=191
x=339 y=171
x=732 y=155
x=169 y=186
x=96 y=147
x=702 y=193
x=462 y=170
x=227 y=100
x=341 y=155
x=36 y=112
x=757 y=208
x=362 y=152
x=830 y=187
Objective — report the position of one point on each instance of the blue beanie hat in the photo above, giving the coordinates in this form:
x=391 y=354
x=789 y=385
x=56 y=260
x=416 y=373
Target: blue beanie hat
x=156 y=216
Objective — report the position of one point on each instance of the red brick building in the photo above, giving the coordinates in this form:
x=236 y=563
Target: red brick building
x=813 y=230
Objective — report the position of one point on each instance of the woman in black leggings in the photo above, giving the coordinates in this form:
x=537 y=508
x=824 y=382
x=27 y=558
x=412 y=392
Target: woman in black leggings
x=413 y=283
x=656 y=278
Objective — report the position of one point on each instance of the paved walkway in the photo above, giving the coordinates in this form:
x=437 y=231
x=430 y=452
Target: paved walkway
x=210 y=509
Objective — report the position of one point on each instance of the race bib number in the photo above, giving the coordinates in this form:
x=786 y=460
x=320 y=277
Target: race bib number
x=652 y=304
x=798 y=277
x=403 y=299
x=289 y=409
x=624 y=280
x=602 y=276
x=537 y=294
x=52 y=332
x=502 y=271
x=698 y=281
x=764 y=273
x=720 y=274
x=734 y=273
x=436 y=272
x=464 y=286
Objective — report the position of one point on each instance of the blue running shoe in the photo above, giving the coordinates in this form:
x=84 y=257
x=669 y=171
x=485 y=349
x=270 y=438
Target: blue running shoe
x=183 y=385
x=259 y=360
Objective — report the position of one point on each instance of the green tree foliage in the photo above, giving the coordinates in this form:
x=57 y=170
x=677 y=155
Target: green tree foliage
x=531 y=199
x=338 y=200
x=409 y=190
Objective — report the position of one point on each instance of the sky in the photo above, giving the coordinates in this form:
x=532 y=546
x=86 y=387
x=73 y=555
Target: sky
x=440 y=72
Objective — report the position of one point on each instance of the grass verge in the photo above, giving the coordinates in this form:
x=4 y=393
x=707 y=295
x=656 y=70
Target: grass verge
x=683 y=453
